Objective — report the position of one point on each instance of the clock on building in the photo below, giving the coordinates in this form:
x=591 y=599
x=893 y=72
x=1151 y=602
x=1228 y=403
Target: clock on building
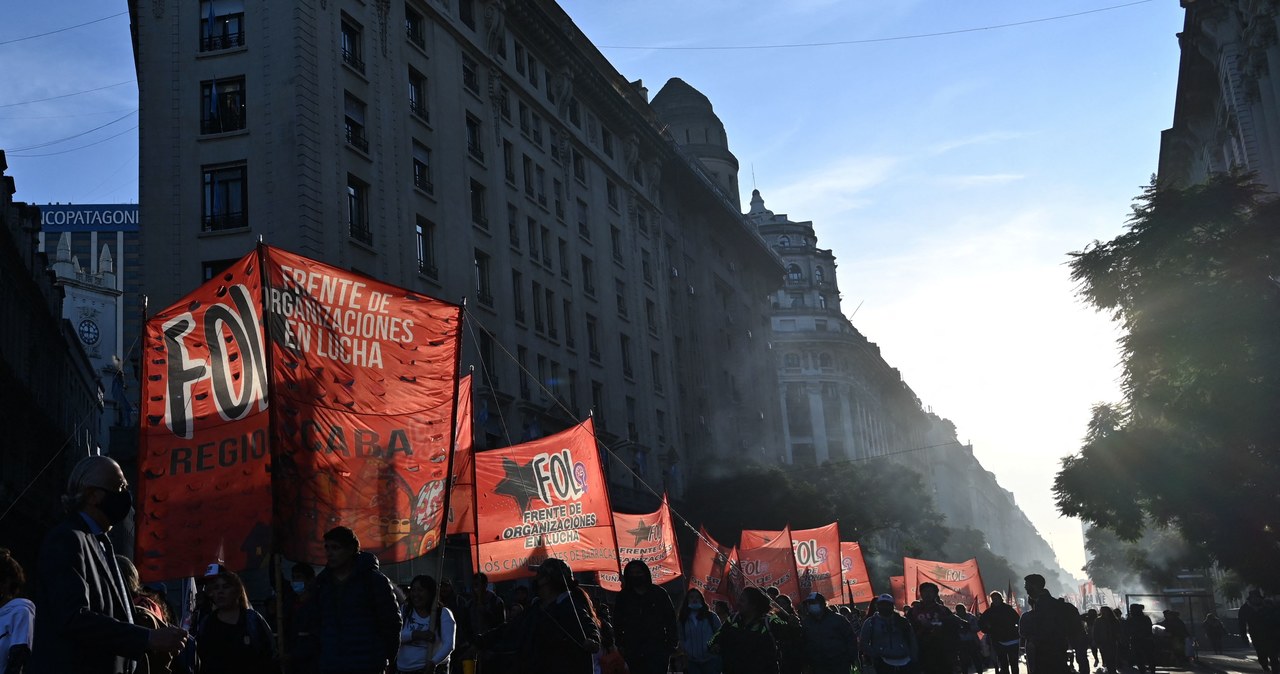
x=88 y=331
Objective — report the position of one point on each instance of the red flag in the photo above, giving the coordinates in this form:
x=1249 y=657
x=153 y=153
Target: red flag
x=204 y=487
x=462 y=501
x=365 y=378
x=853 y=569
x=650 y=538
x=545 y=498
x=711 y=571
x=817 y=555
x=957 y=583
x=898 y=587
x=766 y=558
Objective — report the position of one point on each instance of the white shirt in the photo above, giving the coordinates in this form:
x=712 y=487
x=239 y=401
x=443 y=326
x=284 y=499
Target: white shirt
x=16 y=619
x=420 y=654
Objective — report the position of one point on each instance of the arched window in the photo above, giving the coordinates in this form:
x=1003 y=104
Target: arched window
x=822 y=301
x=784 y=240
x=792 y=360
x=818 y=275
x=794 y=273
x=824 y=360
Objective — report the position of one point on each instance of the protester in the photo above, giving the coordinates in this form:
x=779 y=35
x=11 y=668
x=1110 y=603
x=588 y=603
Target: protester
x=722 y=610
x=887 y=641
x=16 y=616
x=970 y=648
x=745 y=643
x=645 y=622
x=1180 y=642
x=1106 y=635
x=1054 y=628
x=937 y=631
x=697 y=626
x=609 y=660
x=788 y=634
x=298 y=601
x=1142 y=645
x=485 y=611
x=85 y=622
x=1215 y=631
x=426 y=638
x=1255 y=629
x=151 y=612
x=1269 y=633
x=828 y=639
x=234 y=638
x=354 y=624
x=1090 y=617
x=1000 y=622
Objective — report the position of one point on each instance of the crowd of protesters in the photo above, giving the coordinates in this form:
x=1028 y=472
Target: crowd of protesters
x=92 y=616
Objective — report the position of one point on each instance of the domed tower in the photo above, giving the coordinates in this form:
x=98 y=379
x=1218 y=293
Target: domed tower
x=695 y=126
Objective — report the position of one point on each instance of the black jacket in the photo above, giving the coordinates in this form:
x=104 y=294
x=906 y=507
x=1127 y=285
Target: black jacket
x=747 y=648
x=82 y=618
x=1000 y=622
x=554 y=639
x=354 y=624
x=645 y=623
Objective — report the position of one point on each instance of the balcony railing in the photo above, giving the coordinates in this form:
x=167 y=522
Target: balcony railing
x=361 y=232
x=353 y=59
x=419 y=110
x=424 y=183
x=223 y=121
x=220 y=221
x=357 y=139
x=224 y=41
x=476 y=151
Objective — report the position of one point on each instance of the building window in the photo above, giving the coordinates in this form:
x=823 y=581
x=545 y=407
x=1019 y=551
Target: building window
x=555 y=145
x=226 y=199
x=593 y=338
x=615 y=239
x=531 y=229
x=508 y=162
x=655 y=369
x=597 y=403
x=579 y=166
x=538 y=323
x=418 y=95
x=504 y=102
x=784 y=241
x=222 y=29
x=467 y=12
x=541 y=181
x=519 y=57
x=568 y=323
x=354 y=123
x=818 y=275
x=535 y=129
x=526 y=163
x=575 y=113
x=660 y=420
x=620 y=296
x=212 y=268
x=425 y=230
x=475 y=144
x=822 y=301
x=513 y=229
x=522 y=359
x=517 y=294
x=524 y=117
x=422 y=168
x=791 y=361
x=606 y=141
x=584 y=228
x=646 y=266
x=470 y=75
x=563 y=248
x=414 y=27
x=624 y=348
x=222 y=106
x=588 y=276
x=479 y=214
x=352 y=49
x=546 y=248
x=642 y=221
x=358 y=210
x=611 y=193
x=794 y=273
x=484 y=290
x=533 y=71
x=557 y=193
x=651 y=316
x=824 y=360
x=550 y=297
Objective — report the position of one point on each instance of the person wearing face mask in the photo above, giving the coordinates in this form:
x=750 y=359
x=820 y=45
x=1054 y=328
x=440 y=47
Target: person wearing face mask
x=745 y=642
x=296 y=604
x=697 y=625
x=85 y=623
x=828 y=638
x=645 y=621
x=887 y=641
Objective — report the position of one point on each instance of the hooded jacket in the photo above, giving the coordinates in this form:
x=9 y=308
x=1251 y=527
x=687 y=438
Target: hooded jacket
x=353 y=624
x=828 y=641
x=645 y=622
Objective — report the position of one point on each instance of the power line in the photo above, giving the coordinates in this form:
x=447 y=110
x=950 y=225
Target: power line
x=73 y=136
x=74 y=93
x=76 y=149
x=68 y=115
x=61 y=30
x=895 y=38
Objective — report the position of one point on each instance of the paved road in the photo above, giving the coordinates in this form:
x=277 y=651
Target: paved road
x=1232 y=661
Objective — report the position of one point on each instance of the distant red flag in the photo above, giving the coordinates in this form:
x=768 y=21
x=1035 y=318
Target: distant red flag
x=766 y=558
x=462 y=518
x=898 y=587
x=711 y=571
x=544 y=498
x=957 y=583
x=649 y=538
x=853 y=569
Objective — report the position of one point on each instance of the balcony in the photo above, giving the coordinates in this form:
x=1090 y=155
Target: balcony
x=424 y=183
x=223 y=221
x=356 y=138
x=223 y=41
x=353 y=59
x=361 y=232
x=417 y=109
x=476 y=151
x=223 y=121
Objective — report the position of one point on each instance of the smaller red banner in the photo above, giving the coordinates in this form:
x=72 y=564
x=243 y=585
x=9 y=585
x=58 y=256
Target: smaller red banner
x=462 y=501
x=853 y=569
x=649 y=538
x=957 y=583
x=766 y=559
x=711 y=572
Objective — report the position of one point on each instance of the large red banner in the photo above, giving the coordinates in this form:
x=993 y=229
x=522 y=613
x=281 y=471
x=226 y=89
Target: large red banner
x=765 y=558
x=957 y=583
x=462 y=516
x=649 y=538
x=712 y=571
x=204 y=487
x=545 y=498
x=853 y=568
x=817 y=555
x=364 y=380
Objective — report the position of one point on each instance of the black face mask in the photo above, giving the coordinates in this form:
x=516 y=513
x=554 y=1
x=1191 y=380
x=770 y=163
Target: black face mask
x=637 y=581
x=884 y=609
x=116 y=506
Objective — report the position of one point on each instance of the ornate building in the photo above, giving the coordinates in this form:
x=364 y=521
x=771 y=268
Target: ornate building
x=1227 y=109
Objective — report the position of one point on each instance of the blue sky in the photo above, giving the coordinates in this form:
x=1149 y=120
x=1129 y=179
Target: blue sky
x=950 y=174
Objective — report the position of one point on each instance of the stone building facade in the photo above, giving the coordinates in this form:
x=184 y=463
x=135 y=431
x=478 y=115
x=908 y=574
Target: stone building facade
x=478 y=149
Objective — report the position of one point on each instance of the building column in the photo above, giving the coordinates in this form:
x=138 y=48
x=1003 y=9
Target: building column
x=817 y=417
x=846 y=424
x=786 y=426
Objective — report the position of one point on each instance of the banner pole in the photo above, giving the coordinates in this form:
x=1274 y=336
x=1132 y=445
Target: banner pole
x=453 y=442
x=273 y=552
x=596 y=442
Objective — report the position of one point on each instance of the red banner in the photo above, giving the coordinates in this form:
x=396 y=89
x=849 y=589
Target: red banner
x=817 y=555
x=957 y=583
x=204 y=487
x=649 y=538
x=545 y=498
x=853 y=569
x=462 y=515
x=712 y=570
x=765 y=558
x=364 y=381
x=898 y=587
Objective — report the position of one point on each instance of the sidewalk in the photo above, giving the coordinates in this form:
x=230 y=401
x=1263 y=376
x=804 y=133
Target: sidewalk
x=1238 y=659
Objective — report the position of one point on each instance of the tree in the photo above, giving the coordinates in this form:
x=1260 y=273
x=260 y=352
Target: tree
x=1149 y=564
x=1195 y=443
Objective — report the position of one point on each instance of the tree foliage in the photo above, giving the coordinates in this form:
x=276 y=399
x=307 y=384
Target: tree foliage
x=1194 y=443
x=1149 y=564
